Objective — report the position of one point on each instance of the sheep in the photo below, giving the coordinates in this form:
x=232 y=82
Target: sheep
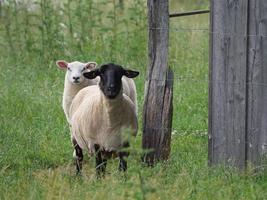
x=74 y=81
x=100 y=115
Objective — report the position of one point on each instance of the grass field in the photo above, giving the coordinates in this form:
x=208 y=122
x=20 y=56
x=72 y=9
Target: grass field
x=35 y=148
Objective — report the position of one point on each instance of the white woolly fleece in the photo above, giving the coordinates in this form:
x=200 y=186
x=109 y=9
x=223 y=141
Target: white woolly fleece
x=95 y=119
x=74 y=80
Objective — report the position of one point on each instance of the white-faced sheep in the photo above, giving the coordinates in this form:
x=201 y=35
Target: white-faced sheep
x=74 y=80
x=100 y=115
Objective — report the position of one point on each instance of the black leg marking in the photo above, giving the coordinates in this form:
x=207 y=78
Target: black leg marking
x=122 y=164
x=100 y=162
x=79 y=156
x=122 y=155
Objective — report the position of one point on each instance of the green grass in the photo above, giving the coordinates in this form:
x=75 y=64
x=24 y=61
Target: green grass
x=35 y=148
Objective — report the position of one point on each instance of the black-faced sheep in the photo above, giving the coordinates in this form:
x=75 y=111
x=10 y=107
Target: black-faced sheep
x=100 y=115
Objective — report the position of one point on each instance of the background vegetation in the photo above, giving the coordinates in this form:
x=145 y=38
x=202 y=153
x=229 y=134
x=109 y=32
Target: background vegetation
x=35 y=149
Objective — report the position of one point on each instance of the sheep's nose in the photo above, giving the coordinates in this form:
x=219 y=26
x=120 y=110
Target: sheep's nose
x=76 y=78
x=111 y=87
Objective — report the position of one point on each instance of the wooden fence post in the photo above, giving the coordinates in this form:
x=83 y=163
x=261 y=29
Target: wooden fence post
x=238 y=83
x=157 y=113
x=227 y=97
x=257 y=82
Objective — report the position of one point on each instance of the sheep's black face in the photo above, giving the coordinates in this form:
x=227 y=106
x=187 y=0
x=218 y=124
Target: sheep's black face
x=110 y=78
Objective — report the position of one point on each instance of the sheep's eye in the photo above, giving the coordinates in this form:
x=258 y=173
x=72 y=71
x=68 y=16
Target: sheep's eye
x=69 y=69
x=83 y=69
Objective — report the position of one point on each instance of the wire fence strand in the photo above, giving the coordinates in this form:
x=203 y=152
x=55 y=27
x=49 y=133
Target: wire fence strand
x=207 y=30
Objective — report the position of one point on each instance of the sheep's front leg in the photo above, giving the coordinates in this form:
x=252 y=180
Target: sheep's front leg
x=122 y=155
x=78 y=156
x=100 y=162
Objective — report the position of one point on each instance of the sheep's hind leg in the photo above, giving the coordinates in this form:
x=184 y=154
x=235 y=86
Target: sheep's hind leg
x=101 y=163
x=122 y=154
x=123 y=163
x=78 y=156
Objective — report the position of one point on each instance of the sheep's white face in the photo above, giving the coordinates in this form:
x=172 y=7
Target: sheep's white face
x=75 y=70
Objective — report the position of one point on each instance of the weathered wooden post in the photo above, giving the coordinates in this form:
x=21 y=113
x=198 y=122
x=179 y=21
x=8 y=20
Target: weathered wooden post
x=257 y=83
x=227 y=100
x=238 y=78
x=157 y=114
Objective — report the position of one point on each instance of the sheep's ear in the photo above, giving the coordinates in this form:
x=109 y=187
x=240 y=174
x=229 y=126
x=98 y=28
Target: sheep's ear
x=90 y=65
x=130 y=73
x=62 y=64
x=92 y=74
